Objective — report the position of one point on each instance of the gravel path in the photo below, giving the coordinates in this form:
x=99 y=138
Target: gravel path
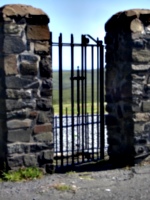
x=118 y=184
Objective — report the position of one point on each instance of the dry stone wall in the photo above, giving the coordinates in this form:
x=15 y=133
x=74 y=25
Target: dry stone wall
x=128 y=85
x=26 y=112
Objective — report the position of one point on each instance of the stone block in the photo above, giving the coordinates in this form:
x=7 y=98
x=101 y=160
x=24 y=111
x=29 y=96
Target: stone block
x=146 y=106
x=17 y=94
x=10 y=65
x=28 y=57
x=141 y=56
x=13 y=82
x=18 y=148
x=46 y=93
x=15 y=10
x=38 y=32
x=47 y=84
x=44 y=105
x=33 y=114
x=19 y=104
x=140 y=67
x=27 y=68
x=140 y=149
x=30 y=160
x=21 y=114
x=141 y=117
x=43 y=137
x=138 y=128
x=147 y=127
x=40 y=146
x=19 y=135
x=13 y=28
x=45 y=67
x=17 y=124
x=41 y=47
x=47 y=127
x=13 y=45
x=136 y=26
x=48 y=155
x=42 y=118
x=15 y=161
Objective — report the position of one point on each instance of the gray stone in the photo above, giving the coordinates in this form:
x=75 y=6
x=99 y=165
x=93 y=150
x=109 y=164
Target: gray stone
x=45 y=67
x=13 y=28
x=141 y=117
x=44 y=105
x=30 y=160
x=140 y=67
x=15 y=161
x=44 y=137
x=42 y=118
x=146 y=106
x=35 y=147
x=138 y=128
x=29 y=57
x=19 y=104
x=48 y=155
x=137 y=88
x=16 y=124
x=23 y=113
x=13 y=45
x=27 y=68
x=139 y=149
x=19 y=135
x=46 y=93
x=18 y=148
x=47 y=84
x=13 y=82
x=141 y=56
x=17 y=94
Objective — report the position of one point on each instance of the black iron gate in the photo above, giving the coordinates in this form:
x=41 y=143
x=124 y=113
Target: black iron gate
x=79 y=127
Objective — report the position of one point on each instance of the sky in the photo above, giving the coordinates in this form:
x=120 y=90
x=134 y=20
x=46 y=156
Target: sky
x=80 y=16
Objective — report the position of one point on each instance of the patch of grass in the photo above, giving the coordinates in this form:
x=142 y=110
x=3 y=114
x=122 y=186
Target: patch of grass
x=71 y=172
x=67 y=106
x=63 y=187
x=22 y=174
x=86 y=177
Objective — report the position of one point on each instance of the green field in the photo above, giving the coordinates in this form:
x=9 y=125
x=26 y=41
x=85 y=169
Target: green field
x=67 y=91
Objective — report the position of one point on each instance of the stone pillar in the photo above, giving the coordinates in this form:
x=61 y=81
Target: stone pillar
x=26 y=137
x=128 y=85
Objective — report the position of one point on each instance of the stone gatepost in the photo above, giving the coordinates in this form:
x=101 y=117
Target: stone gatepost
x=26 y=115
x=128 y=85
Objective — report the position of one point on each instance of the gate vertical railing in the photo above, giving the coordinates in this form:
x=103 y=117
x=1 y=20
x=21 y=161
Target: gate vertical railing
x=72 y=95
x=89 y=128
x=60 y=98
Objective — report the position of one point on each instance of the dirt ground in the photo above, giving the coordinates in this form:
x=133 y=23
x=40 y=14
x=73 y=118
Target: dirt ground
x=129 y=183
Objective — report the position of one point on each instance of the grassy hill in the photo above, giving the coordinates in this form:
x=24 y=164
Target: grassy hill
x=67 y=86
x=67 y=92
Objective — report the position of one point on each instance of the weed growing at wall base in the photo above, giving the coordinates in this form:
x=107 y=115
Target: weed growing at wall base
x=22 y=174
